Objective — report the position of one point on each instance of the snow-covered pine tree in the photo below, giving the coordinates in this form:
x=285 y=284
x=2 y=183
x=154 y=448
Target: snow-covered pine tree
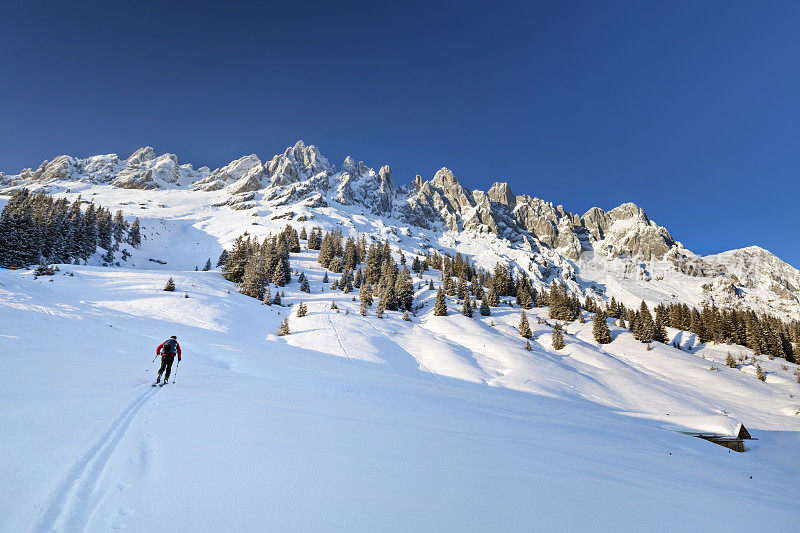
x=283 y=329
x=558 y=337
x=600 y=331
x=254 y=280
x=645 y=327
x=404 y=289
x=485 y=311
x=207 y=266
x=267 y=299
x=466 y=308
x=301 y=310
x=304 y=286
x=120 y=226
x=524 y=327
x=170 y=286
x=134 y=234
x=363 y=308
x=222 y=258
x=659 y=331
x=440 y=307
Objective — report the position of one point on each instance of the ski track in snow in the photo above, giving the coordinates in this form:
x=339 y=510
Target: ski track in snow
x=426 y=367
x=338 y=338
x=71 y=505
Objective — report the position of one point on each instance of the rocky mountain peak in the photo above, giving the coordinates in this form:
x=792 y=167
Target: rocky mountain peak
x=500 y=192
x=141 y=155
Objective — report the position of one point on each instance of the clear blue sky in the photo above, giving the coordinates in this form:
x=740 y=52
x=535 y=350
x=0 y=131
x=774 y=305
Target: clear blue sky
x=690 y=109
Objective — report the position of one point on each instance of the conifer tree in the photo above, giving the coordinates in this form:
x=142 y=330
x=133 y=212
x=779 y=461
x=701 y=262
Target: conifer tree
x=134 y=234
x=558 y=337
x=170 y=286
x=267 y=299
x=283 y=329
x=602 y=335
x=760 y=373
x=363 y=308
x=528 y=345
x=379 y=309
x=485 y=311
x=303 y=234
x=222 y=258
x=659 y=331
x=302 y=310
x=404 y=290
x=304 y=285
x=645 y=327
x=207 y=266
x=466 y=308
x=440 y=307
x=254 y=280
x=730 y=361
x=277 y=299
x=524 y=327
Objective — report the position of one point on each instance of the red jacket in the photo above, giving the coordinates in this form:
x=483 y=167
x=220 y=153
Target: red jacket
x=160 y=346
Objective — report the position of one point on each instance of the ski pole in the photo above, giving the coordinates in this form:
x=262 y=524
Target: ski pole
x=175 y=375
x=148 y=368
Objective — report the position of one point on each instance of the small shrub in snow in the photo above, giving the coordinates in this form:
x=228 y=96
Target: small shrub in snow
x=185 y=294
x=528 y=345
x=406 y=316
x=302 y=310
x=730 y=361
x=760 y=373
x=170 y=286
x=44 y=270
x=333 y=304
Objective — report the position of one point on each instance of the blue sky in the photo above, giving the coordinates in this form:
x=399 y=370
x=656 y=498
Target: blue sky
x=689 y=109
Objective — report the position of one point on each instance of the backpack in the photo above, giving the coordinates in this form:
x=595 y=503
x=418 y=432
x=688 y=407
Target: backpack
x=170 y=347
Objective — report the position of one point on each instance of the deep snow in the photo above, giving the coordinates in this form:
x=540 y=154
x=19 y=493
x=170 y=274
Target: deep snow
x=360 y=423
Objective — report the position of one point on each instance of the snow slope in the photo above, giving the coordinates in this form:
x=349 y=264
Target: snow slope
x=358 y=423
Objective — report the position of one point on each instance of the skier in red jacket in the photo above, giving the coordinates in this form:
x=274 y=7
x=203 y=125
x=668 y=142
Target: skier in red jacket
x=168 y=350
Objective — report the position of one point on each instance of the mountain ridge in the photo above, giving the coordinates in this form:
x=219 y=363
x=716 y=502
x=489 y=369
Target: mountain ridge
x=624 y=237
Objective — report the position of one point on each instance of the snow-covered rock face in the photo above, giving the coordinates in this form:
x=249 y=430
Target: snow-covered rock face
x=540 y=237
x=358 y=184
x=759 y=271
x=627 y=231
x=242 y=175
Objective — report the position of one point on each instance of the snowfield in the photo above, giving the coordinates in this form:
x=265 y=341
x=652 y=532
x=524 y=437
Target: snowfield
x=360 y=423
x=355 y=423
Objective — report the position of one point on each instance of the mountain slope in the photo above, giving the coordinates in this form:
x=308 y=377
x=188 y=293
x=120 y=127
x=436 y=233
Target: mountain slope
x=355 y=422
x=619 y=253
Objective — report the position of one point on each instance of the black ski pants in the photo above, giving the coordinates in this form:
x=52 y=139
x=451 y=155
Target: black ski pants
x=166 y=364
